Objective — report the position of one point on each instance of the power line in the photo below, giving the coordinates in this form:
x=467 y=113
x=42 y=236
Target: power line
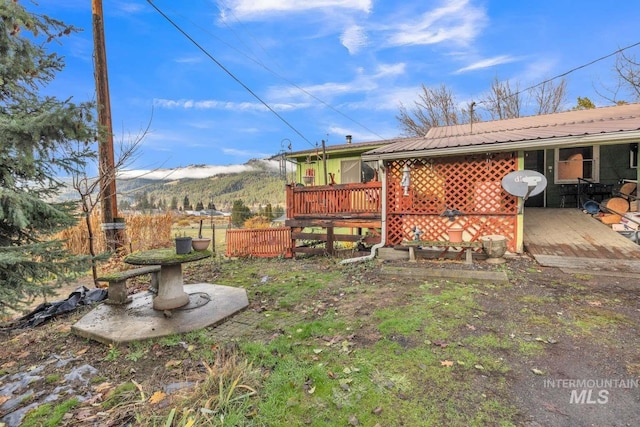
x=184 y=33
x=566 y=73
x=256 y=61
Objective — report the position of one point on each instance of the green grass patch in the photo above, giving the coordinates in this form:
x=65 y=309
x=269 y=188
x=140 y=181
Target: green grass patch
x=536 y=299
x=591 y=319
x=52 y=379
x=49 y=415
x=122 y=394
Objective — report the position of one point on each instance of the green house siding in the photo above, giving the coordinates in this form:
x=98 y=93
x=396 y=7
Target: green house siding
x=615 y=164
x=333 y=167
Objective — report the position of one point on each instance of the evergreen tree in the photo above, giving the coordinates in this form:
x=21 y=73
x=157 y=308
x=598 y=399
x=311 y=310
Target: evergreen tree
x=278 y=211
x=42 y=138
x=584 y=104
x=268 y=212
x=174 y=203
x=239 y=213
x=199 y=206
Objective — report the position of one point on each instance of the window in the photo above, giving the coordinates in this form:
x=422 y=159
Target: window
x=633 y=155
x=349 y=171
x=576 y=162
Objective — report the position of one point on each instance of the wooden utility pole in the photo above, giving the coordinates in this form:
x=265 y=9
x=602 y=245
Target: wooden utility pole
x=105 y=132
x=324 y=163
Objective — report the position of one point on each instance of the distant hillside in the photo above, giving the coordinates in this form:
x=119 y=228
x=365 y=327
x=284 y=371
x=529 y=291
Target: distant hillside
x=258 y=185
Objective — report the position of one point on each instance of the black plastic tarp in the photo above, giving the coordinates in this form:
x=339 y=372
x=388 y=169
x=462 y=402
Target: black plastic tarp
x=48 y=310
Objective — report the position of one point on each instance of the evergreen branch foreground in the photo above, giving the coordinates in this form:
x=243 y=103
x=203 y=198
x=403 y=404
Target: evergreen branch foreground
x=42 y=137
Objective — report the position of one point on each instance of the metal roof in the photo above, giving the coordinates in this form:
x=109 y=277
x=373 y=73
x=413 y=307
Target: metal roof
x=354 y=146
x=614 y=124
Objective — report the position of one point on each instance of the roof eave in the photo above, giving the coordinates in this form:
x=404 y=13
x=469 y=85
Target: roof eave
x=566 y=141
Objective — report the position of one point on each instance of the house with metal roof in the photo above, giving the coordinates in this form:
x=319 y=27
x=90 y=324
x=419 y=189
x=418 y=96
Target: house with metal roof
x=452 y=183
x=583 y=154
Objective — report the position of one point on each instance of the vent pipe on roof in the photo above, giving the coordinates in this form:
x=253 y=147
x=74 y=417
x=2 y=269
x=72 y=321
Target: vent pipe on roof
x=473 y=104
x=348 y=139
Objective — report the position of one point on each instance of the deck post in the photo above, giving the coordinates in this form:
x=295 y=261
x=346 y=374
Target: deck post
x=330 y=240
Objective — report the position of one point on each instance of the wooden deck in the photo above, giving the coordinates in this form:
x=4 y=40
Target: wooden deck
x=569 y=238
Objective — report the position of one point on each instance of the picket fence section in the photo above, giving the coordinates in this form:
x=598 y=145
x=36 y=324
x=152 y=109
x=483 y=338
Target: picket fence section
x=259 y=242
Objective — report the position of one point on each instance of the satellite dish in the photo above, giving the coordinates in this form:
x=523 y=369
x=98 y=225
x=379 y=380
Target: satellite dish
x=524 y=183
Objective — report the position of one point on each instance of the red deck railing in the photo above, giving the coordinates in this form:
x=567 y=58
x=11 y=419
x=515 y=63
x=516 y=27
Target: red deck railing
x=360 y=200
x=261 y=242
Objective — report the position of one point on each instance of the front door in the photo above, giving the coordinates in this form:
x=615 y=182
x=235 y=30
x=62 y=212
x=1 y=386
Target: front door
x=534 y=160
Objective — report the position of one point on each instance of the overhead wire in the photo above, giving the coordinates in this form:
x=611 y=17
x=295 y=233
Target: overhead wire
x=260 y=63
x=275 y=73
x=219 y=64
x=566 y=73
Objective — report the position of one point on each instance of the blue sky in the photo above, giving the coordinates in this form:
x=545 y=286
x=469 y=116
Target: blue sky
x=327 y=67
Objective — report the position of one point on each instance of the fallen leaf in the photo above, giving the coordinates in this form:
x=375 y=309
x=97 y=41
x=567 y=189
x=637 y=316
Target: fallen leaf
x=447 y=363
x=471 y=327
x=331 y=375
x=311 y=390
x=479 y=367
x=173 y=363
x=82 y=351
x=157 y=397
x=537 y=371
x=353 y=420
x=4 y=399
x=317 y=350
x=84 y=415
x=377 y=410
x=102 y=387
x=594 y=303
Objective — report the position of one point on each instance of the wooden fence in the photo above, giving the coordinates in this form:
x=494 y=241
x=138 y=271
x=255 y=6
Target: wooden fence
x=259 y=242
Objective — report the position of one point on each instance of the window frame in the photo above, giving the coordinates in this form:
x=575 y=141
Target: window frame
x=595 y=162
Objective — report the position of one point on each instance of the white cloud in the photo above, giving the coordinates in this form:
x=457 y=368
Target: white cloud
x=538 y=69
x=244 y=153
x=195 y=172
x=457 y=21
x=213 y=104
x=129 y=7
x=189 y=59
x=354 y=38
x=385 y=70
x=487 y=63
x=251 y=9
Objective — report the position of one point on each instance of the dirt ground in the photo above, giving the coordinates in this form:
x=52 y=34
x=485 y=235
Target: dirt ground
x=587 y=375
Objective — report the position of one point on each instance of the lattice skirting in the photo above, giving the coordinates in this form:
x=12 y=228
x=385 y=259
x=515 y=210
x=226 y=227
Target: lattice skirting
x=431 y=227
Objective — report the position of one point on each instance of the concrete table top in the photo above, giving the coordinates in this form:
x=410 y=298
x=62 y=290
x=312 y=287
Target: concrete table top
x=171 y=292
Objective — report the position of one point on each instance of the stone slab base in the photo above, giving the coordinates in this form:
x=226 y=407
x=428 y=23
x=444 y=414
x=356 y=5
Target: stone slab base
x=208 y=305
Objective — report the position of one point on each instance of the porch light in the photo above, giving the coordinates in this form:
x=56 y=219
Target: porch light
x=406 y=179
